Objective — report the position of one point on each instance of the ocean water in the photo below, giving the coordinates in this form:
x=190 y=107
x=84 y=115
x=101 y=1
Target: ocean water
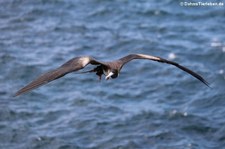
x=149 y=106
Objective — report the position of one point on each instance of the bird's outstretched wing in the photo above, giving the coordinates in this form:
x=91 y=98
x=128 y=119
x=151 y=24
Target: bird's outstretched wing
x=130 y=57
x=72 y=65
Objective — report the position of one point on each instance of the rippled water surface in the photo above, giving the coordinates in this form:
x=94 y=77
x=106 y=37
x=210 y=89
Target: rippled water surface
x=150 y=105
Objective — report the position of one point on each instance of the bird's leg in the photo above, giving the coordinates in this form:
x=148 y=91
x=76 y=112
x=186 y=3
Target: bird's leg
x=99 y=72
x=99 y=77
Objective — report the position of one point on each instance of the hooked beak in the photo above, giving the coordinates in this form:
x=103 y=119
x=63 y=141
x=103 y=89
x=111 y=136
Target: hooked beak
x=109 y=75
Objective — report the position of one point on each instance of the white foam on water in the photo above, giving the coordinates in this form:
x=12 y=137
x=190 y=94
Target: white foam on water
x=172 y=56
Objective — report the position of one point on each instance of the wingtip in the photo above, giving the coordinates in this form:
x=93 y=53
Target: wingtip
x=16 y=94
x=207 y=84
x=19 y=92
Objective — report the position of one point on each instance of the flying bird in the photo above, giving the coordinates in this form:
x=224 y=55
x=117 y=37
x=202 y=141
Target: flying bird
x=109 y=69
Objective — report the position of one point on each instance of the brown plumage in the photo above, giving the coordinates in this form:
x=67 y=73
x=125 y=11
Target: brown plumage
x=110 y=69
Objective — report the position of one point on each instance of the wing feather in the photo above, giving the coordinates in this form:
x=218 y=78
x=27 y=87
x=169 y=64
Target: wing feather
x=72 y=65
x=130 y=57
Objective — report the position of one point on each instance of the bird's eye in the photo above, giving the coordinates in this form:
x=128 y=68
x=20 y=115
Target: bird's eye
x=115 y=75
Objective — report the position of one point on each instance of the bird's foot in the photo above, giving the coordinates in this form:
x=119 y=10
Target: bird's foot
x=99 y=77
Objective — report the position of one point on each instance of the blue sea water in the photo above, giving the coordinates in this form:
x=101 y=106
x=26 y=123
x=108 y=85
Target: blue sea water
x=150 y=105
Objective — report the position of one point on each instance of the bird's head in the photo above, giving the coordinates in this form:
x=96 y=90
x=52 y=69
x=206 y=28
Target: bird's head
x=112 y=74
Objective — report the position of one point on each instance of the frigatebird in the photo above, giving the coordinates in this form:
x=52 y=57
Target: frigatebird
x=109 y=69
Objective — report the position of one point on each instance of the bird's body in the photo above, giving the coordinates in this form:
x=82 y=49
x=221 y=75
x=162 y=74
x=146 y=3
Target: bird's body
x=109 y=69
